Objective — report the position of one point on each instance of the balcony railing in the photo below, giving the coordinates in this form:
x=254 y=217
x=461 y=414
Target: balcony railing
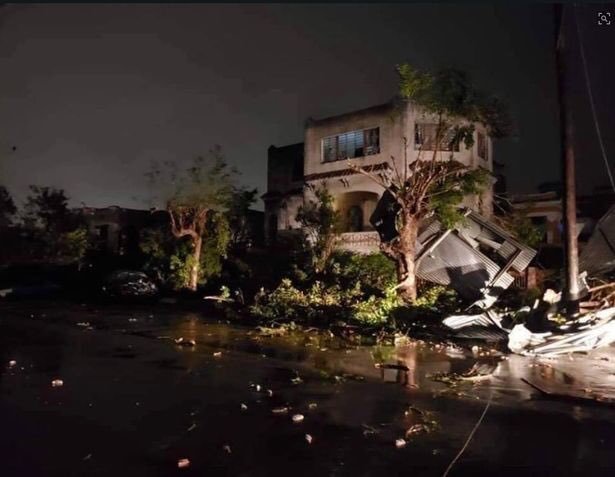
x=359 y=242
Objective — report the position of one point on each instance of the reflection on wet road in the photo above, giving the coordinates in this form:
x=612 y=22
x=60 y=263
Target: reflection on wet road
x=134 y=402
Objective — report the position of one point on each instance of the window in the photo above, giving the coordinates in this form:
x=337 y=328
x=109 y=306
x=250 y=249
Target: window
x=481 y=144
x=365 y=142
x=425 y=138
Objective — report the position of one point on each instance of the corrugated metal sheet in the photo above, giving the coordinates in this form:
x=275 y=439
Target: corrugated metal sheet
x=474 y=259
x=598 y=256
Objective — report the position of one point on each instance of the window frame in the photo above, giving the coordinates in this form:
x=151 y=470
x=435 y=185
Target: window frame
x=417 y=145
x=336 y=139
x=482 y=135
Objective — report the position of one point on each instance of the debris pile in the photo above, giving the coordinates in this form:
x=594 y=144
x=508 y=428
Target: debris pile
x=590 y=331
x=599 y=297
x=542 y=329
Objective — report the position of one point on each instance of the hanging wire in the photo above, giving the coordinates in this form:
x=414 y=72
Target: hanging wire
x=467 y=442
x=591 y=102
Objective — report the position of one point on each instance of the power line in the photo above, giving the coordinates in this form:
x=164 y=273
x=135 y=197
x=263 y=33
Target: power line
x=591 y=102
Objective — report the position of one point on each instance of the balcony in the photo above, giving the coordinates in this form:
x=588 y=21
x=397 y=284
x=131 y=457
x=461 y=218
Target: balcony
x=359 y=242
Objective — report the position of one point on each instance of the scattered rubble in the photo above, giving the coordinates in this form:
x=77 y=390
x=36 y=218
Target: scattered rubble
x=399 y=443
x=297 y=418
x=184 y=342
x=543 y=330
x=57 y=383
x=309 y=439
x=588 y=332
x=478 y=372
x=183 y=463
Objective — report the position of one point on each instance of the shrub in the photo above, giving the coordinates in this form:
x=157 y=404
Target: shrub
x=321 y=303
x=374 y=272
x=284 y=303
x=357 y=288
x=377 y=310
x=436 y=297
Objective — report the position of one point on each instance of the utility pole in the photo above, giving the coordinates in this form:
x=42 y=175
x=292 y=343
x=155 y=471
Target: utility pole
x=567 y=142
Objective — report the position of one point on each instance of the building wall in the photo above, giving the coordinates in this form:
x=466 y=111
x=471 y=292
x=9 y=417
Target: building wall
x=284 y=188
x=395 y=122
x=547 y=207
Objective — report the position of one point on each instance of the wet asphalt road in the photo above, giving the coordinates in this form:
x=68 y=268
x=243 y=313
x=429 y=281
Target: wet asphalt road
x=133 y=403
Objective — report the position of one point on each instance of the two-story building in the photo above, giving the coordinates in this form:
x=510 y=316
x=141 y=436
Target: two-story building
x=368 y=137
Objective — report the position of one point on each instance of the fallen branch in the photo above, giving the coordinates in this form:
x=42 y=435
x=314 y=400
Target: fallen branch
x=218 y=298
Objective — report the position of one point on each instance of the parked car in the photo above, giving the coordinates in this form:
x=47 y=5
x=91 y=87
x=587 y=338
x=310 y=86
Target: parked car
x=129 y=283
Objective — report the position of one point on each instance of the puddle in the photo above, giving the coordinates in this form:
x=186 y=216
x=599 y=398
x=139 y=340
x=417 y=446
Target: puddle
x=136 y=403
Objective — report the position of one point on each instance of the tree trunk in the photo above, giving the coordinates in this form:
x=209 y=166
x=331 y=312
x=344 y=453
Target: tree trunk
x=196 y=264
x=406 y=272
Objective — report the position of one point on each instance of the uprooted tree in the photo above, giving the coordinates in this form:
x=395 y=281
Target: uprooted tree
x=434 y=184
x=194 y=199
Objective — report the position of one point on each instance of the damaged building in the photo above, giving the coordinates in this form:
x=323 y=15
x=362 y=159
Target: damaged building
x=368 y=137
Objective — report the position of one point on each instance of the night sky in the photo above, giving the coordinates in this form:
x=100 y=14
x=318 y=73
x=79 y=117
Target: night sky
x=89 y=94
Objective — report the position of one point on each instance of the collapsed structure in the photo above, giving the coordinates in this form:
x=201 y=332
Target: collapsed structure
x=593 y=328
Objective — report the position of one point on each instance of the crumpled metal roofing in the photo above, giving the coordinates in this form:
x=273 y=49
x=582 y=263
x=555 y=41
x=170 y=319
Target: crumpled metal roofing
x=475 y=258
x=598 y=255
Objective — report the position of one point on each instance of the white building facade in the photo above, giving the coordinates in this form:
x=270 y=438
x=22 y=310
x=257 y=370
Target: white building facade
x=369 y=137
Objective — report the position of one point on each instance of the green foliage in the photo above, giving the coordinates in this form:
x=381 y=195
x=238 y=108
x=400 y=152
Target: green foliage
x=527 y=232
x=328 y=302
x=449 y=96
x=215 y=247
x=437 y=297
x=207 y=183
x=324 y=303
x=432 y=303
x=195 y=199
x=165 y=257
x=7 y=207
x=74 y=244
x=322 y=225
x=170 y=260
x=374 y=272
x=520 y=225
x=450 y=93
x=316 y=303
x=451 y=188
x=377 y=310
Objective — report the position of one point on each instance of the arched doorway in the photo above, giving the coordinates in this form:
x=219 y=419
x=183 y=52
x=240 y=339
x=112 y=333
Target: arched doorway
x=355 y=219
x=356 y=208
